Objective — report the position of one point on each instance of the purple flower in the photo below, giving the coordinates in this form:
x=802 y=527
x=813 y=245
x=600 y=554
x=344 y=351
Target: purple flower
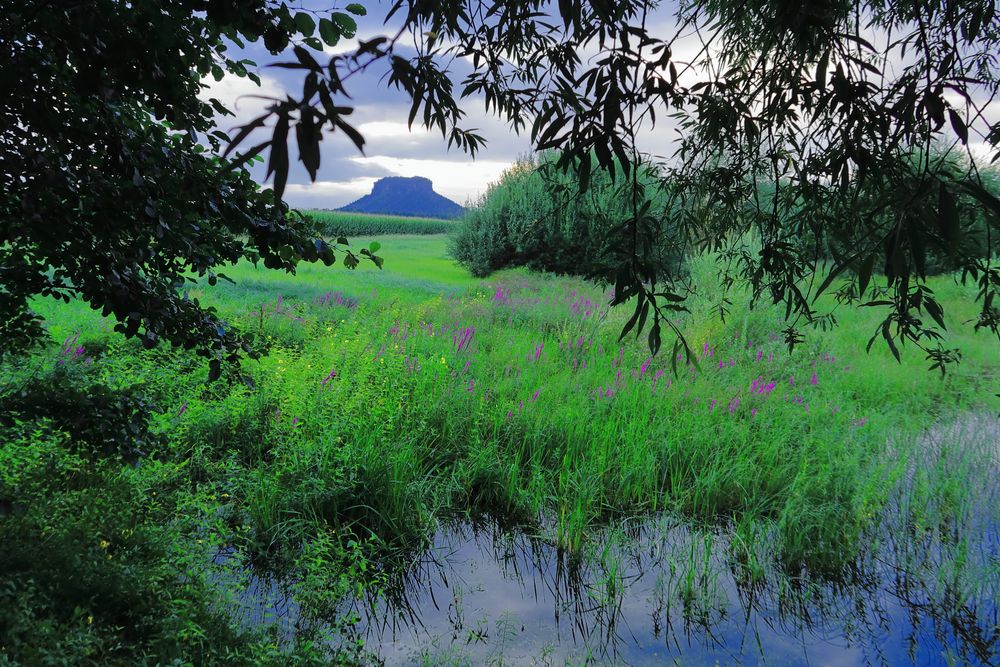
x=183 y=409
x=814 y=380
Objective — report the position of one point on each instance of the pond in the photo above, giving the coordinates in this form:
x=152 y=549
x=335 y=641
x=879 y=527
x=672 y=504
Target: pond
x=659 y=590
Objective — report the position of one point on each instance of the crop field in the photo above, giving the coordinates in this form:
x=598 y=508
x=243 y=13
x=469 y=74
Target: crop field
x=431 y=468
x=340 y=223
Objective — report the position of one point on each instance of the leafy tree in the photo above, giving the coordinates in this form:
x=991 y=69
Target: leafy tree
x=823 y=120
x=117 y=191
x=114 y=190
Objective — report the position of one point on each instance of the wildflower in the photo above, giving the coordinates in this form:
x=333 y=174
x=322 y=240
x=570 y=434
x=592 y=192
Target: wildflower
x=105 y=544
x=443 y=362
x=734 y=405
x=90 y=620
x=814 y=380
x=183 y=409
x=753 y=412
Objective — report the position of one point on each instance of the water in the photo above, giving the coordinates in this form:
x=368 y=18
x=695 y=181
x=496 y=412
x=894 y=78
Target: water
x=659 y=591
x=483 y=596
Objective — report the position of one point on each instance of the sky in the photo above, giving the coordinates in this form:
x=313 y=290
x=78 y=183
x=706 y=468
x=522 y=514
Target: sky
x=380 y=113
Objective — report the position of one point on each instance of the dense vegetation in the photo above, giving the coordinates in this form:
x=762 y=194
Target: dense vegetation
x=535 y=216
x=393 y=400
x=341 y=223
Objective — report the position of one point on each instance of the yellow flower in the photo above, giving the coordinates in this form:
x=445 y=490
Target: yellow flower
x=90 y=620
x=105 y=544
x=443 y=361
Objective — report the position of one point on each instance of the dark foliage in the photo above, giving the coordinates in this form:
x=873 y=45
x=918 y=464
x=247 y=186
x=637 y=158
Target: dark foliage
x=114 y=191
x=535 y=216
x=840 y=105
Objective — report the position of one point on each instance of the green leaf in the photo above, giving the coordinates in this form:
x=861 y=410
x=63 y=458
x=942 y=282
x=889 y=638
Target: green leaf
x=958 y=125
x=305 y=24
x=374 y=246
x=356 y=9
x=329 y=32
x=865 y=273
x=348 y=26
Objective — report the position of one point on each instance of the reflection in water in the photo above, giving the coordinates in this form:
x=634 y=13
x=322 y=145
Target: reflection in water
x=654 y=591
x=658 y=592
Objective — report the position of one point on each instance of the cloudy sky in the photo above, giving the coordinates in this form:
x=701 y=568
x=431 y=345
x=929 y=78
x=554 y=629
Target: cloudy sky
x=380 y=115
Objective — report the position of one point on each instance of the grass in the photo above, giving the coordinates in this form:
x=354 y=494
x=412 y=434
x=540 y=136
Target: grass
x=342 y=223
x=394 y=399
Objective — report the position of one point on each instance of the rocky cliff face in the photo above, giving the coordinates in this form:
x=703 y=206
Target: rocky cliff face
x=398 y=195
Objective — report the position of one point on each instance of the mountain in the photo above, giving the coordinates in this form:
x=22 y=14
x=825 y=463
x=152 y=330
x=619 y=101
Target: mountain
x=398 y=195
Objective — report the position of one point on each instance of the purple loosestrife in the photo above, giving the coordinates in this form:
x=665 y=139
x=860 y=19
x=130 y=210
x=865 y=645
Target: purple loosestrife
x=463 y=338
x=183 y=409
x=814 y=380
x=538 y=352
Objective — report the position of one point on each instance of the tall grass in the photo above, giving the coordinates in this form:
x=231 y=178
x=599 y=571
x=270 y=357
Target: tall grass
x=392 y=400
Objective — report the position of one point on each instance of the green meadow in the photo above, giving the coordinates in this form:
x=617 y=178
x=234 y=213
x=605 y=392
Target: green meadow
x=394 y=403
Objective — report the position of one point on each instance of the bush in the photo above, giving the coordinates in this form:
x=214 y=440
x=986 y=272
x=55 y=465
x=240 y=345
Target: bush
x=534 y=216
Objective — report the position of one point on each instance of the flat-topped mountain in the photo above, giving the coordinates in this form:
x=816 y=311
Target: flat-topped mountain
x=398 y=195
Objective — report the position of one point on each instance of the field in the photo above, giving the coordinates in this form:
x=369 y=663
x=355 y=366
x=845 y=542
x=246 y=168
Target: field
x=407 y=414
x=339 y=223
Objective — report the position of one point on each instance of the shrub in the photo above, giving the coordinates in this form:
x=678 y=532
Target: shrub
x=535 y=216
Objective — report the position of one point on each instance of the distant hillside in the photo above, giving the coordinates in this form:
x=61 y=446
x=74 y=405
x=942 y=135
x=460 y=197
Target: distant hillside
x=397 y=195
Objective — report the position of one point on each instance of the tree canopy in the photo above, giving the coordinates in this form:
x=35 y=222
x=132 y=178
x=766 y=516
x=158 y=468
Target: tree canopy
x=114 y=187
x=829 y=132
x=829 y=122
